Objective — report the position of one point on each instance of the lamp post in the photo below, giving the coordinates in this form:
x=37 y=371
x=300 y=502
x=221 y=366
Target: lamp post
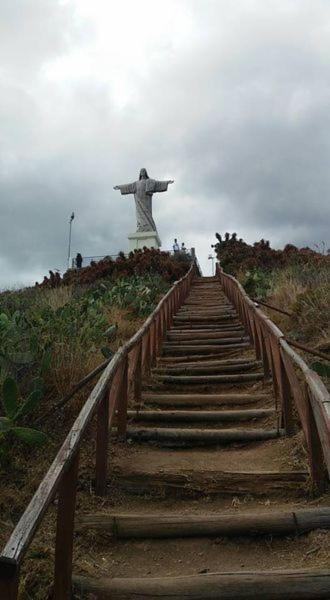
x=70 y=230
x=211 y=257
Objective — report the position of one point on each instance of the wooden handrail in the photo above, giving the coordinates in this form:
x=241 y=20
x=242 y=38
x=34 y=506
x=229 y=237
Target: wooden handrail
x=104 y=398
x=292 y=378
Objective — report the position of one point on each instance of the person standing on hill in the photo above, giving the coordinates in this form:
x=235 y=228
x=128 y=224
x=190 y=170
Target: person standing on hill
x=79 y=260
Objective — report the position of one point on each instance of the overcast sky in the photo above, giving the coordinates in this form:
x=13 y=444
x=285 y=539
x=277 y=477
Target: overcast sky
x=231 y=99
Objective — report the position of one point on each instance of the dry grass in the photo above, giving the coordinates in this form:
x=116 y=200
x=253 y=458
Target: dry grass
x=57 y=297
x=304 y=291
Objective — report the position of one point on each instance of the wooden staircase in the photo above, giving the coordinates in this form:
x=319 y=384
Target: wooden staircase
x=208 y=427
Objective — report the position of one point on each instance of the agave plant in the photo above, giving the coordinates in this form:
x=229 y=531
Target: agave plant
x=15 y=410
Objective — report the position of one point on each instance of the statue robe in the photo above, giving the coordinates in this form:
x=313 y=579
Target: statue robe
x=143 y=189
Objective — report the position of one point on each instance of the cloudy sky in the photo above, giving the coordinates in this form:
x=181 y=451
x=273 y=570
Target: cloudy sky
x=231 y=98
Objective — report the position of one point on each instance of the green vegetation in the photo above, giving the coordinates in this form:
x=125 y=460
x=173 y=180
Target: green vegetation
x=50 y=337
x=296 y=280
x=15 y=411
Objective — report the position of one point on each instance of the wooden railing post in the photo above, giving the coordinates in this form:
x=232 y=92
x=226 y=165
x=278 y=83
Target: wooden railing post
x=122 y=402
x=146 y=354
x=9 y=579
x=102 y=442
x=285 y=396
x=138 y=376
x=64 y=531
x=315 y=449
x=152 y=337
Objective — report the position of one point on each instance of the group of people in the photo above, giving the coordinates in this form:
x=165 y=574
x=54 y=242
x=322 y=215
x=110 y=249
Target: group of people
x=176 y=247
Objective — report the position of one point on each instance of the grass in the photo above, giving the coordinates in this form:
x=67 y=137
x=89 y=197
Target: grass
x=70 y=323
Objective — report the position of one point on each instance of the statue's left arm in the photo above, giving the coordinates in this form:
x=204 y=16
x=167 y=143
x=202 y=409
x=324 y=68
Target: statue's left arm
x=161 y=186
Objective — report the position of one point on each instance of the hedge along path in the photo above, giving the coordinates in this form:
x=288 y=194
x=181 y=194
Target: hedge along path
x=176 y=372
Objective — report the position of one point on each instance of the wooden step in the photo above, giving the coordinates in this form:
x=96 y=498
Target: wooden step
x=164 y=526
x=204 y=335
x=220 y=352
x=218 y=341
x=202 y=399
x=202 y=319
x=204 y=370
x=206 y=326
x=208 y=379
x=216 y=362
x=181 y=437
x=204 y=416
x=208 y=369
x=165 y=364
x=203 y=349
x=194 y=483
x=248 y=585
x=203 y=312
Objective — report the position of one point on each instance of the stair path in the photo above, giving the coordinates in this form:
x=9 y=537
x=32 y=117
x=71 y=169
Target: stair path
x=207 y=429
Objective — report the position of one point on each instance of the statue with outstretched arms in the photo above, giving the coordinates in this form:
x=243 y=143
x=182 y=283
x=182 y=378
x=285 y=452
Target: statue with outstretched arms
x=143 y=189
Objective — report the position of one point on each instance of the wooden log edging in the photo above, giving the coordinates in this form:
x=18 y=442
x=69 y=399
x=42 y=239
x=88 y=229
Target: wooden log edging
x=205 y=416
x=177 y=437
x=246 y=585
x=191 y=484
x=202 y=399
x=160 y=526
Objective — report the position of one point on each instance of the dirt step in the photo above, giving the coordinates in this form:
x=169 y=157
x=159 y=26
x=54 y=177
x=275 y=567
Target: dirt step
x=203 y=399
x=194 y=483
x=181 y=437
x=202 y=349
x=173 y=525
x=208 y=379
x=200 y=415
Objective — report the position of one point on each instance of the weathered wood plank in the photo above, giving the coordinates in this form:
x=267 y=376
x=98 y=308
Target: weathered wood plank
x=193 y=416
x=177 y=437
x=192 y=483
x=157 y=526
x=202 y=399
x=267 y=585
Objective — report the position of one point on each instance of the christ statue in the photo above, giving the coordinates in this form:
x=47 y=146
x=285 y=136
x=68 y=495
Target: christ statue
x=143 y=189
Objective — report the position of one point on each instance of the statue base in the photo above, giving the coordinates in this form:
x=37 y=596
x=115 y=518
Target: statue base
x=139 y=239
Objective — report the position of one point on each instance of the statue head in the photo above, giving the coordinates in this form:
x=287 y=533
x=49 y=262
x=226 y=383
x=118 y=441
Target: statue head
x=143 y=174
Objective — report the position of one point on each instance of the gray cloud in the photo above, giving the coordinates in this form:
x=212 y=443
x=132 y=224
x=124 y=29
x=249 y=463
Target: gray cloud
x=231 y=99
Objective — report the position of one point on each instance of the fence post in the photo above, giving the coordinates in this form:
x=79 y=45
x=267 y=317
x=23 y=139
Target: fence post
x=138 y=376
x=285 y=396
x=102 y=441
x=122 y=401
x=315 y=449
x=64 y=531
x=9 y=579
x=146 y=354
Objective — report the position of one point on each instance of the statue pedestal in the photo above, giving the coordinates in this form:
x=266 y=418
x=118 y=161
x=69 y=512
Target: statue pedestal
x=137 y=240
